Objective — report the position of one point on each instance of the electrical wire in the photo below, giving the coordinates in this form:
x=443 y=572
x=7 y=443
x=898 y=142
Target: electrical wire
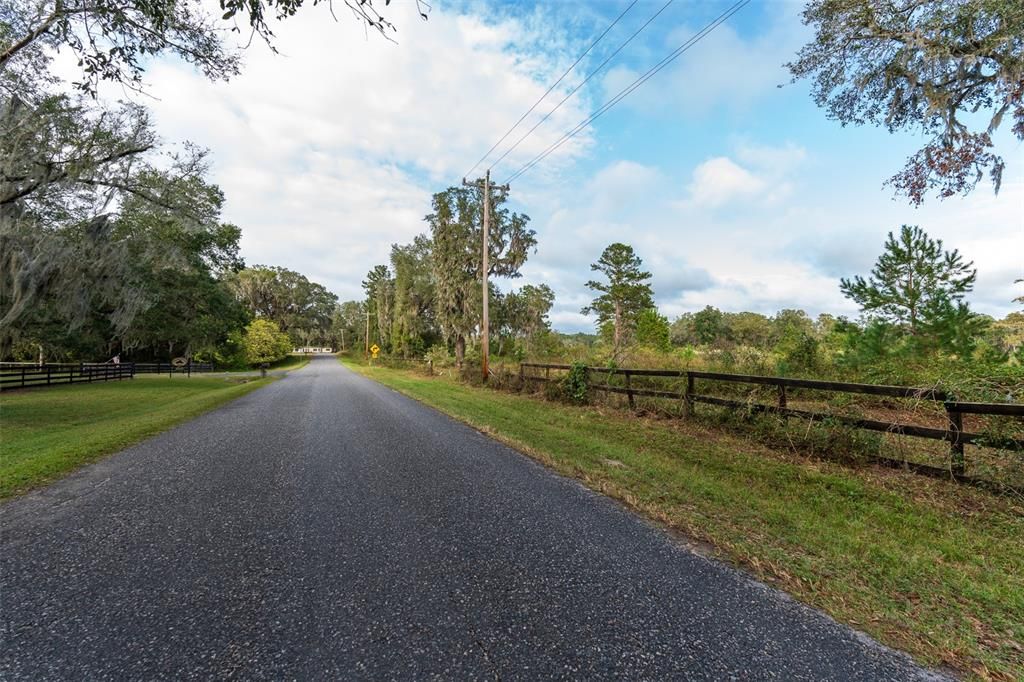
x=625 y=92
x=553 y=86
x=584 y=82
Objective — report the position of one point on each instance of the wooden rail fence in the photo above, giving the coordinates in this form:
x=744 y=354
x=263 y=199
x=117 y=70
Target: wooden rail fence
x=953 y=432
x=28 y=376
x=168 y=368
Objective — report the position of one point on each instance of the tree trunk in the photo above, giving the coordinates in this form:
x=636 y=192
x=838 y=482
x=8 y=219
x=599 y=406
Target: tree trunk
x=460 y=350
x=618 y=325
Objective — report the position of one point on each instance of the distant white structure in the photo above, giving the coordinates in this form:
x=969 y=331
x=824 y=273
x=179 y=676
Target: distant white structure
x=310 y=349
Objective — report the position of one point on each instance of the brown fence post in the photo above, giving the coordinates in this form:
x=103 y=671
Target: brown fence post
x=782 y=396
x=956 y=444
x=688 y=396
x=629 y=391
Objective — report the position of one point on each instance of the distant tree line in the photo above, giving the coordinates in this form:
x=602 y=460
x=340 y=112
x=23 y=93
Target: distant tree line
x=915 y=324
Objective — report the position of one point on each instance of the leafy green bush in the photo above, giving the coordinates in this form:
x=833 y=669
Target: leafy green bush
x=574 y=384
x=265 y=342
x=439 y=357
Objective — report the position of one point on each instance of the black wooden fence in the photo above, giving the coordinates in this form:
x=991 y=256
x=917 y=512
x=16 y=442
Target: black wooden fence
x=169 y=368
x=953 y=432
x=28 y=376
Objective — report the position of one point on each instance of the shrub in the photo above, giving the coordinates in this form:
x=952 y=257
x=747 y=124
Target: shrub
x=574 y=384
x=439 y=357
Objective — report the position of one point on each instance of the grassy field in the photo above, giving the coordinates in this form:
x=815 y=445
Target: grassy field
x=48 y=432
x=923 y=565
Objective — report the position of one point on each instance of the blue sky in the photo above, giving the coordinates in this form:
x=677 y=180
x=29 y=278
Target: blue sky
x=735 y=192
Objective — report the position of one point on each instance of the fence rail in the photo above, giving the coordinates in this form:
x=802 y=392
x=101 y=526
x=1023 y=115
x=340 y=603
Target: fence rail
x=169 y=368
x=953 y=432
x=29 y=376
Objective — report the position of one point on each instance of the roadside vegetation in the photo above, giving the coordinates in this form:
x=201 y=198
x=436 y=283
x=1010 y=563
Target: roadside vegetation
x=916 y=329
x=927 y=566
x=50 y=432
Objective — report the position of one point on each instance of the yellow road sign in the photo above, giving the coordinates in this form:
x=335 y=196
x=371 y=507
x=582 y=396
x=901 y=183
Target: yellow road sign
x=374 y=349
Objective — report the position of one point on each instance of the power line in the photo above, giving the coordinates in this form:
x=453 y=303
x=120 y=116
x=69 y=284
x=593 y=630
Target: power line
x=625 y=92
x=584 y=82
x=553 y=86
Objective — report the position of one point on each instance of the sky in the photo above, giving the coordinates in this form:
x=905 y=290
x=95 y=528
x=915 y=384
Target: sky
x=731 y=184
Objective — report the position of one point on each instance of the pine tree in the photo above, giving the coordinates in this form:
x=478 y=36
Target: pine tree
x=626 y=294
x=915 y=285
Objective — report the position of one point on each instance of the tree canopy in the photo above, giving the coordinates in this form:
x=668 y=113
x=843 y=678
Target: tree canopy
x=456 y=234
x=951 y=69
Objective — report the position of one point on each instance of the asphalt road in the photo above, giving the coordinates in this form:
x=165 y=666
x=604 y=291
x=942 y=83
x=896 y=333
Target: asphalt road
x=325 y=527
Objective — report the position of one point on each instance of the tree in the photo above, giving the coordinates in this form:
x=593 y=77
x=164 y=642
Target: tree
x=265 y=342
x=789 y=323
x=626 y=293
x=70 y=162
x=748 y=329
x=930 y=66
x=380 y=295
x=456 y=238
x=915 y=285
x=112 y=39
x=652 y=330
x=348 y=325
x=301 y=308
x=88 y=286
x=523 y=314
x=709 y=325
x=413 y=328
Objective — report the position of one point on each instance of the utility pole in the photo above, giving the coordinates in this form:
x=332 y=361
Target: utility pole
x=367 y=353
x=485 y=325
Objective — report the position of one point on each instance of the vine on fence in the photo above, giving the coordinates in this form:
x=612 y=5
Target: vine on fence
x=575 y=383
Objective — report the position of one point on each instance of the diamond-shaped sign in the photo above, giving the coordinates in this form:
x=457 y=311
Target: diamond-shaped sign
x=374 y=349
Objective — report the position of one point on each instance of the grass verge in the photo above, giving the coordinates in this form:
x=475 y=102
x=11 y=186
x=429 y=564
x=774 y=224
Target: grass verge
x=923 y=565
x=48 y=432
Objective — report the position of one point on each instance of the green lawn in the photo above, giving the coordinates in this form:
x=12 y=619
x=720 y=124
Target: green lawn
x=48 y=432
x=924 y=565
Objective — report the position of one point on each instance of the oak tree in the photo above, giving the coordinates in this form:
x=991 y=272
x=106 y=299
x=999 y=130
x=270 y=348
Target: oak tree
x=950 y=69
x=457 y=242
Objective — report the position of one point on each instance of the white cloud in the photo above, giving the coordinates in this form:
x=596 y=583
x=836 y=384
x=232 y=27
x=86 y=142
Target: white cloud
x=328 y=152
x=761 y=250
x=762 y=173
x=720 y=179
